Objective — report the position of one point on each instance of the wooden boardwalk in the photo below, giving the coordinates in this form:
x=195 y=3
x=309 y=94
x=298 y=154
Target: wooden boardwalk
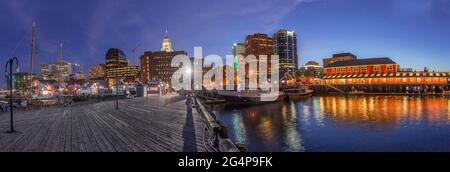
x=157 y=125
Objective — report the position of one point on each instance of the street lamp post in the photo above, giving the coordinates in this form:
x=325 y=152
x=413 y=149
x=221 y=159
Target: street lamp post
x=10 y=62
x=117 y=91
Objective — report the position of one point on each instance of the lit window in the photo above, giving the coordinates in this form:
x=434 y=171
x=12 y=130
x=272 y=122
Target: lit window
x=390 y=67
x=376 y=68
x=363 y=68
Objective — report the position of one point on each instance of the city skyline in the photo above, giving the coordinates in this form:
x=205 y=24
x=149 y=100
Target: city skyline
x=225 y=76
x=90 y=28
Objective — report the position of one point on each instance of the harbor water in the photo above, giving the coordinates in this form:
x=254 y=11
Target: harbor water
x=341 y=124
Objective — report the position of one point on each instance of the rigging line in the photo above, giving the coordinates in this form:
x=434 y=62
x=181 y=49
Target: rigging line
x=18 y=44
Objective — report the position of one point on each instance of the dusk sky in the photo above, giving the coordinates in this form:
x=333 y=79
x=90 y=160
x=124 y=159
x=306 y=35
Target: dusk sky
x=414 y=33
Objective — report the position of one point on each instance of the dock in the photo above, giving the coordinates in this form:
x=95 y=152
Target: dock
x=159 y=124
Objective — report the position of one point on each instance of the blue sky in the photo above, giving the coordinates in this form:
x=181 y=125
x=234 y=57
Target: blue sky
x=414 y=33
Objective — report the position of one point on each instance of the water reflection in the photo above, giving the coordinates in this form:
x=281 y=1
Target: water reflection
x=239 y=128
x=343 y=124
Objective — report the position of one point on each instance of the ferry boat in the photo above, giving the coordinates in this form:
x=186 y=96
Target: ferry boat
x=250 y=96
x=294 y=93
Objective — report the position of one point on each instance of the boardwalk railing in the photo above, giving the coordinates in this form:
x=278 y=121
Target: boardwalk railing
x=217 y=133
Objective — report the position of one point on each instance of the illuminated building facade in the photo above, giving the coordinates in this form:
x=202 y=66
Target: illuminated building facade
x=156 y=66
x=20 y=80
x=362 y=66
x=380 y=75
x=312 y=69
x=117 y=66
x=258 y=44
x=56 y=71
x=97 y=71
x=285 y=46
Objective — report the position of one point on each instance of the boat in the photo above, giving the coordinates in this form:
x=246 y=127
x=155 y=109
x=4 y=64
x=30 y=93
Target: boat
x=251 y=96
x=446 y=94
x=294 y=90
x=294 y=93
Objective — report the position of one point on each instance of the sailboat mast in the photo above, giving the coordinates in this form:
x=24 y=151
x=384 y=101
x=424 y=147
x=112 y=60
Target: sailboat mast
x=33 y=56
x=59 y=65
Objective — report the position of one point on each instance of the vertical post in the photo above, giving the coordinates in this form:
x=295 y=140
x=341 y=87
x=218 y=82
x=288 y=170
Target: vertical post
x=11 y=97
x=10 y=63
x=117 y=90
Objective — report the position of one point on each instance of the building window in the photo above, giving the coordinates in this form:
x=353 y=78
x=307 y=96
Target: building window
x=376 y=68
x=355 y=69
x=363 y=68
x=390 y=67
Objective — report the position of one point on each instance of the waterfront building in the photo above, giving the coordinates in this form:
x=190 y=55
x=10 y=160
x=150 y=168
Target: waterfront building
x=156 y=65
x=259 y=44
x=77 y=76
x=285 y=46
x=312 y=69
x=97 y=72
x=117 y=66
x=379 y=75
x=362 y=66
x=20 y=80
x=338 y=57
x=56 y=71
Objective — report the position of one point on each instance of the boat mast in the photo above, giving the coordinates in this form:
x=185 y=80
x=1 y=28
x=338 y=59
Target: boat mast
x=59 y=66
x=33 y=56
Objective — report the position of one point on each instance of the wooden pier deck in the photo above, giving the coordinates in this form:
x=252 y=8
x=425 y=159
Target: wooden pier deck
x=157 y=125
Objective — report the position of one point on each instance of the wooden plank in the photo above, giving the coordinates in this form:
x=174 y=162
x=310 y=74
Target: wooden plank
x=159 y=124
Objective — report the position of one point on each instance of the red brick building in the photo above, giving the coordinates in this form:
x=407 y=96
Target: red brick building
x=379 y=75
x=362 y=66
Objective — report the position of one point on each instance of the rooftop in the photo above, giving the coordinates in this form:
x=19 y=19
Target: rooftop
x=359 y=62
x=344 y=55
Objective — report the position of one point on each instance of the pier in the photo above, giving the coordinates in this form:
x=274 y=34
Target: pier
x=159 y=124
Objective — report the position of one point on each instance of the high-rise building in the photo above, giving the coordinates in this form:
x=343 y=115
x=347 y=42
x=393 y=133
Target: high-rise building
x=97 y=72
x=115 y=58
x=117 y=66
x=285 y=46
x=237 y=49
x=259 y=44
x=338 y=58
x=156 y=65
